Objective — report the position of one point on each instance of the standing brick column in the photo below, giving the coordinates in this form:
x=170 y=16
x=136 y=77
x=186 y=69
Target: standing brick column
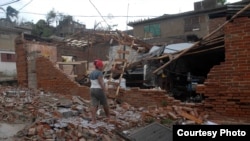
x=21 y=62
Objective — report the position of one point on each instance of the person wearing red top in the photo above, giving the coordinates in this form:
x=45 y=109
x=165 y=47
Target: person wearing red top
x=98 y=90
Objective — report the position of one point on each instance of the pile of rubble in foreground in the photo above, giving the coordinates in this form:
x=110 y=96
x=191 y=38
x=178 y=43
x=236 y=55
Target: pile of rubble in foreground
x=53 y=117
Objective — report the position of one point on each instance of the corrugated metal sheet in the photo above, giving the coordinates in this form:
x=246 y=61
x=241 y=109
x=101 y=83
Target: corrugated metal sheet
x=172 y=48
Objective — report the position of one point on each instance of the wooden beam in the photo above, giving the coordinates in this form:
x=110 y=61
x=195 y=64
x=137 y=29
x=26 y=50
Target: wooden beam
x=72 y=76
x=190 y=117
x=122 y=51
x=71 y=63
x=205 y=50
x=120 y=60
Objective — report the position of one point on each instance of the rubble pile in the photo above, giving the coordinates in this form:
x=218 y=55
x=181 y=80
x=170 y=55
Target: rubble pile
x=54 y=117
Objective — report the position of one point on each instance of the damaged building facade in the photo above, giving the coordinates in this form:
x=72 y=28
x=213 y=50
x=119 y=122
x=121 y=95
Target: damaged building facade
x=8 y=32
x=189 y=26
x=224 y=89
x=181 y=76
x=202 y=82
x=217 y=66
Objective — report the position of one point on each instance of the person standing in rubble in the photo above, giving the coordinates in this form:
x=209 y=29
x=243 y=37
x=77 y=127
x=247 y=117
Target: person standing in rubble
x=98 y=90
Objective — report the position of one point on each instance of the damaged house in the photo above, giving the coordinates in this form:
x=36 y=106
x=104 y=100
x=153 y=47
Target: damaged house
x=180 y=77
x=215 y=68
x=181 y=74
x=191 y=72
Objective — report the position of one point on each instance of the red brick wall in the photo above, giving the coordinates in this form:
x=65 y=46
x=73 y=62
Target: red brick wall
x=227 y=85
x=145 y=97
x=52 y=79
x=49 y=77
x=21 y=63
x=149 y=97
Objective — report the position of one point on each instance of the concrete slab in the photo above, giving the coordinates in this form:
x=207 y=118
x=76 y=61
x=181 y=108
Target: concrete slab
x=153 y=132
x=7 y=131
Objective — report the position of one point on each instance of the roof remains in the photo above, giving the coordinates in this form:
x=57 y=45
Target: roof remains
x=90 y=38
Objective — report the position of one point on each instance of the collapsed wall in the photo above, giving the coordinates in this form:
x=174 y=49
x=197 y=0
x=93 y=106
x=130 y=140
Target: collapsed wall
x=36 y=68
x=52 y=79
x=226 y=88
x=151 y=98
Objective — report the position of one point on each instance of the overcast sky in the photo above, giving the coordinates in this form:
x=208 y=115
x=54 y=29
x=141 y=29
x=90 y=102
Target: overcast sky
x=114 y=12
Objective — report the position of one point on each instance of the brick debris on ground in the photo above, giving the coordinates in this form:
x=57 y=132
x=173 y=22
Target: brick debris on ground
x=51 y=116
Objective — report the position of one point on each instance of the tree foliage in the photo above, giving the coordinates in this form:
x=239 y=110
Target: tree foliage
x=51 y=17
x=64 y=25
x=42 y=29
x=11 y=13
x=65 y=20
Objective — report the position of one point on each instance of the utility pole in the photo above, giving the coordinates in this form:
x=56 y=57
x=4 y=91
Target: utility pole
x=127 y=17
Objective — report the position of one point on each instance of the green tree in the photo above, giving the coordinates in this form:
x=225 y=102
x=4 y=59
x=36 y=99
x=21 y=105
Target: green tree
x=45 y=28
x=42 y=29
x=51 y=17
x=11 y=13
x=64 y=26
x=65 y=20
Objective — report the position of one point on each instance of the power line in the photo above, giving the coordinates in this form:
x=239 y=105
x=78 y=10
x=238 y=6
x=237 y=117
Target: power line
x=94 y=16
x=99 y=13
x=127 y=15
x=13 y=1
x=25 y=5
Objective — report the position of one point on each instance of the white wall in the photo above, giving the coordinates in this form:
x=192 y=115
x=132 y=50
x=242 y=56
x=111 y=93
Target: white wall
x=7 y=68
